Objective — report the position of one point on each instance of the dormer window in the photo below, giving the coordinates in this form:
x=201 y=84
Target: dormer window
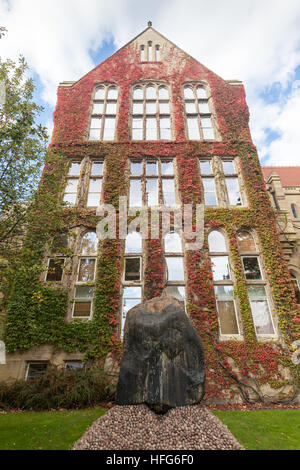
x=103 y=118
x=198 y=112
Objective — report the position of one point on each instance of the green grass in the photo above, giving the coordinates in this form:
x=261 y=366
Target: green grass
x=45 y=430
x=264 y=429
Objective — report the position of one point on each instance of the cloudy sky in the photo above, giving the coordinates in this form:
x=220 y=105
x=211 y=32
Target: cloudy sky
x=256 y=41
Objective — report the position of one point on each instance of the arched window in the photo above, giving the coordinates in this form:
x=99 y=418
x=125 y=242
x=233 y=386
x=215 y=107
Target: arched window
x=103 y=119
x=86 y=272
x=198 y=112
x=262 y=319
x=151 y=112
x=223 y=284
x=132 y=277
x=175 y=266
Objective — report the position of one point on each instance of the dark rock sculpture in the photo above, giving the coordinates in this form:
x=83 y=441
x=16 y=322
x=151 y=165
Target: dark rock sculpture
x=163 y=361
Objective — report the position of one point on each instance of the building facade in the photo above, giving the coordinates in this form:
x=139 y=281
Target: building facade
x=155 y=126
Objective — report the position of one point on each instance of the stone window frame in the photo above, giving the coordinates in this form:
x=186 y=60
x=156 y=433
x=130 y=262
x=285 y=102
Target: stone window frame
x=259 y=282
x=219 y=178
x=159 y=176
x=156 y=84
x=102 y=115
x=173 y=254
x=227 y=282
x=89 y=177
x=78 y=256
x=212 y=114
x=131 y=283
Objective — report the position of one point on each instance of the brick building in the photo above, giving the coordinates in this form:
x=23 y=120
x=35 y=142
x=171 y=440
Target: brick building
x=153 y=124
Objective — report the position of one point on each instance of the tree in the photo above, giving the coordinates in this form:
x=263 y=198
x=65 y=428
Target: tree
x=22 y=153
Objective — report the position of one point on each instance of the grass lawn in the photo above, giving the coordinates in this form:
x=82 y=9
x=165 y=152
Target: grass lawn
x=53 y=430
x=264 y=429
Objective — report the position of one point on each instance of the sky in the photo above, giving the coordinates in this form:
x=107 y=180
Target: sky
x=256 y=41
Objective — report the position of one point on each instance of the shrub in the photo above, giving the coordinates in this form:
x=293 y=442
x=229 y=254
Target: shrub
x=58 y=388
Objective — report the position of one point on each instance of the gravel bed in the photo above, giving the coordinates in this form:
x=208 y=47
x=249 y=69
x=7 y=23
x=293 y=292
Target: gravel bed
x=136 y=427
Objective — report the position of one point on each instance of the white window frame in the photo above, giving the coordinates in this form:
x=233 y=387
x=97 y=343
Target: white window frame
x=28 y=363
x=48 y=263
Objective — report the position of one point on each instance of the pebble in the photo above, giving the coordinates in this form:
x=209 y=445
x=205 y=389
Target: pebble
x=136 y=427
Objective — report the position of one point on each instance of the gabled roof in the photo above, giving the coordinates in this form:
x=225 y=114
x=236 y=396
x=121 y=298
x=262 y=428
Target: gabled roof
x=289 y=175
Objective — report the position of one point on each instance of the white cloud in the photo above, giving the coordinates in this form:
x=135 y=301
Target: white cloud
x=257 y=41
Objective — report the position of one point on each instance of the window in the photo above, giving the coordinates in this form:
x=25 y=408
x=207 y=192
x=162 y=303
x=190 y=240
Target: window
x=232 y=183
x=34 y=369
x=103 y=118
x=74 y=365
x=294 y=211
x=60 y=242
x=260 y=310
x=151 y=183
x=157 y=53
x=175 y=266
x=86 y=272
x=132 y=277
x=55 y=269
x=295 y=284
x=95 y=184
x=223 y=284
x=198 y=113
x=151 y=112
x=70 y=195
x=208 y=181
x=142 y=53
x=275 y=200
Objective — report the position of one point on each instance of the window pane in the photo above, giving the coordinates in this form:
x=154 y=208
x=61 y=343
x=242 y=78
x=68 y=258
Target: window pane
x=246 y=241
x=100 y=92
x=111 y=108
x=150 y=92
x=164 y=108
x=136 y=168
x=138 y=108
x=74 y=169
x=132 y=269
x=220 y=268
x=89 y=243
x=84 y=292
x=260 y=310
x=137 y=134
x=150 y=107
x=133 y=243
x=55 y=269
x=151 y=132
x=70 y=199
x=96 y=123
x=86 y=271
x=167 y=168
x=71 y=185
x=193 y=129
x=93 y=200
x=226 y=310
x=109 y=129
x=175 y=268
x=228 y=168
x=163 y=93
x=208 y=134
x=165 y=131
x=112 y=93
x=188 y=93
x=201 y=92
x=36 y=369
x=94 y=134
x=97 y=168
x=203 y=107
x=205 y=167
x=209 y=192
x=82 y=309
x=75 y=365
x=168 y=190
x=137 y=123
x=95 y=185
x=216 y=242
x=190 y=107
x=138 y=93
x=173 y=243
x=132 y=296
x=151 y=192
x=135 y=198
x=251 y=268
x=98 y=108
x=178 y=292
x=233 y=191
x=151 y=168
x=142 y=54
x=132 y=292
